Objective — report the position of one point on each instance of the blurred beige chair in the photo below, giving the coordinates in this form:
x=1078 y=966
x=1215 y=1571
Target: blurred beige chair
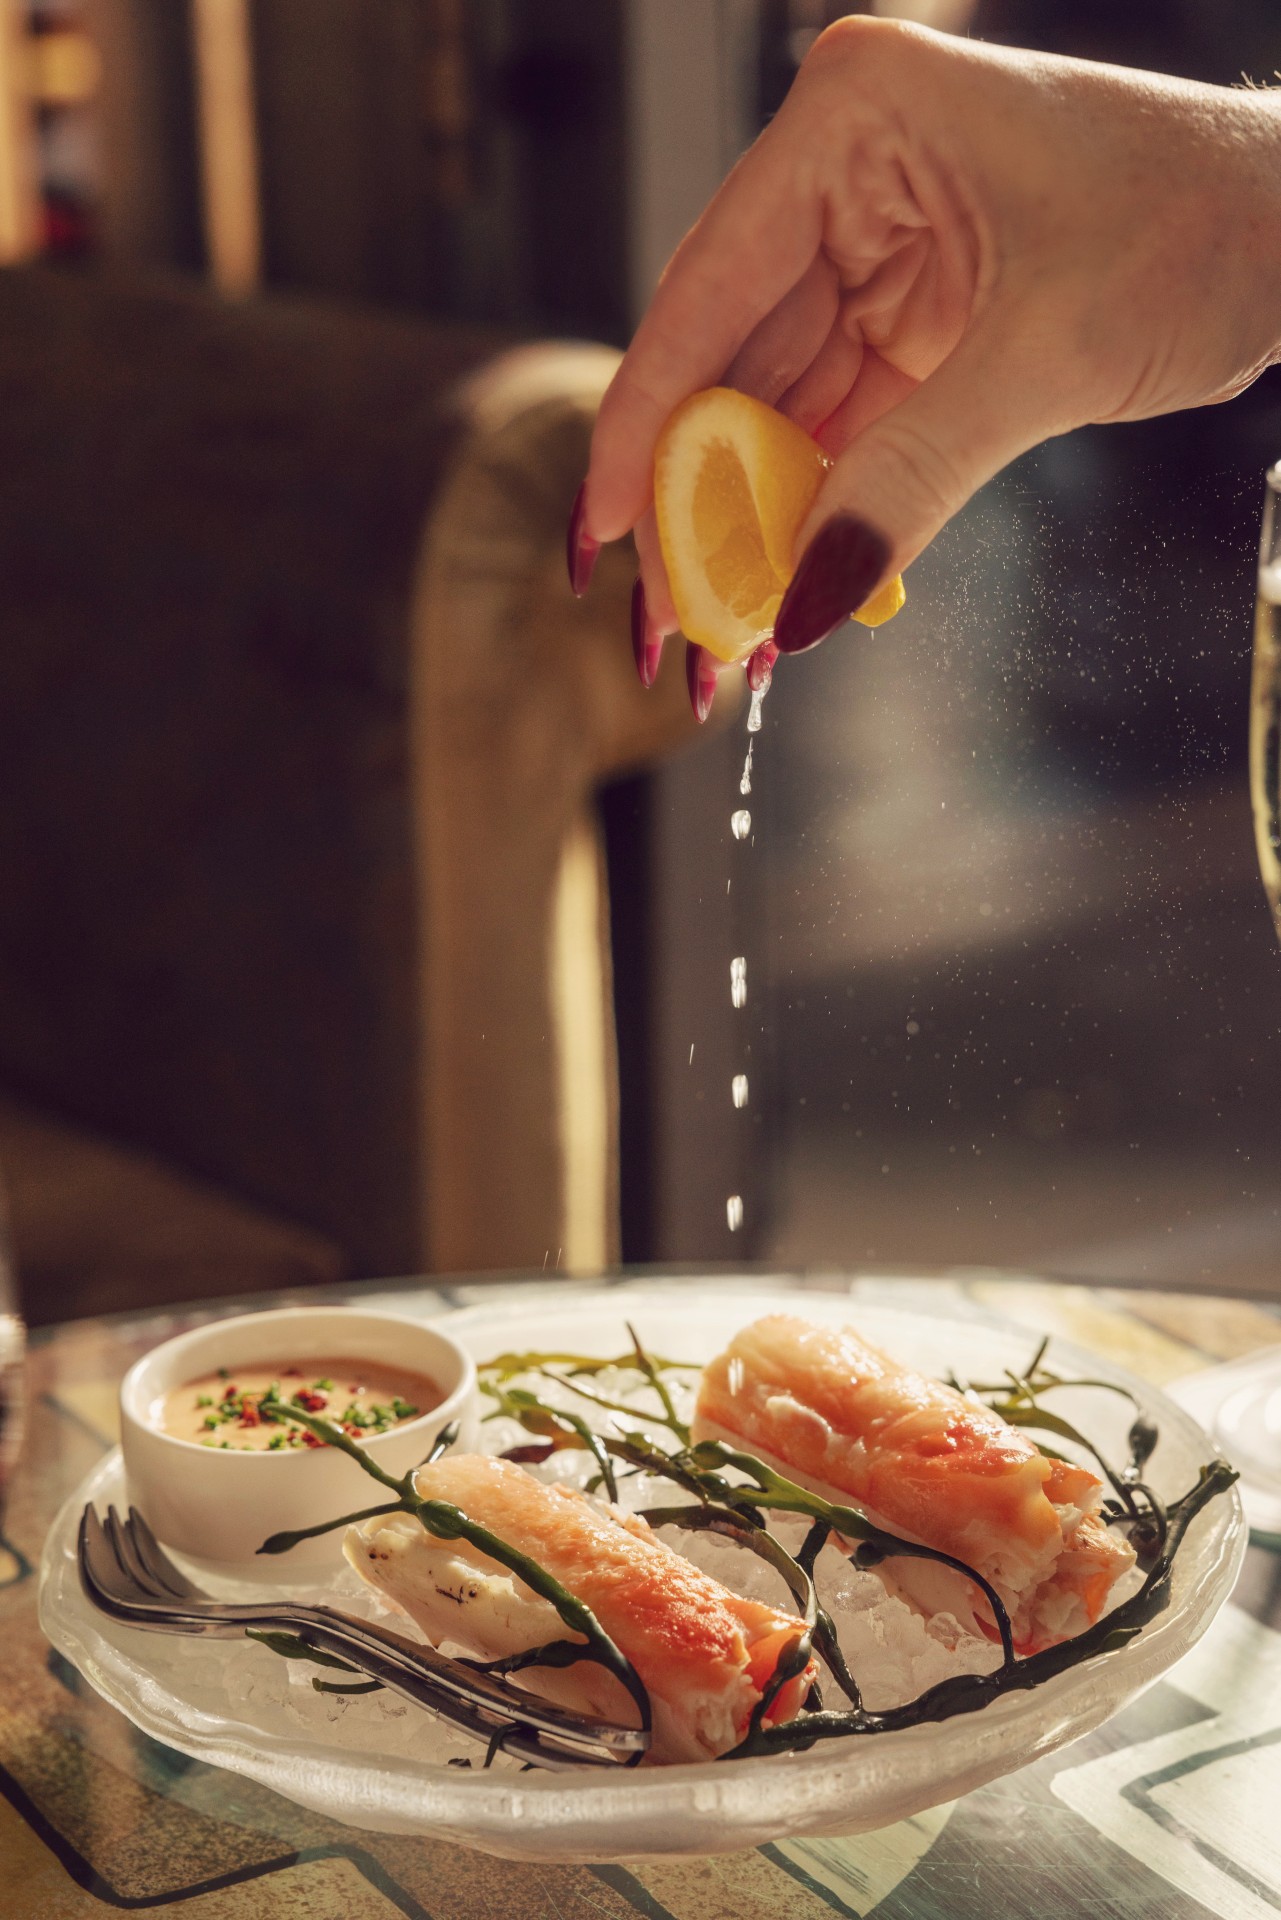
x=301 y=891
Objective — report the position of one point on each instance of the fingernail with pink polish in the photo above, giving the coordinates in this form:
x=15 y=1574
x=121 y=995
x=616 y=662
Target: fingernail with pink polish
x=760 y=666
x=839 y=569
x=580 y=549
x=700 y=678
x=647 y=641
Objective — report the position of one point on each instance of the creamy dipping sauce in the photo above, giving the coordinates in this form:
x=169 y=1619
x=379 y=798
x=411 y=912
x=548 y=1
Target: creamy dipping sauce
x=222 y=1409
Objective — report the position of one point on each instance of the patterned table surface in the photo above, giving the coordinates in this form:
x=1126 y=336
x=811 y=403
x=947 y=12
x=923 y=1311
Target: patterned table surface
x=1169 y=1810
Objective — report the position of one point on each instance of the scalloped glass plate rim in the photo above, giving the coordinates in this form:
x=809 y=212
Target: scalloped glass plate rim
x=838 y=1787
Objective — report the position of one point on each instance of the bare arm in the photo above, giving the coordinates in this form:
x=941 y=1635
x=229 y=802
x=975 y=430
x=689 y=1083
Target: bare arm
x=937 y=255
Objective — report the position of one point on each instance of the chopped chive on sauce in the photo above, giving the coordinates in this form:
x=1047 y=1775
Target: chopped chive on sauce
x=225 y=1408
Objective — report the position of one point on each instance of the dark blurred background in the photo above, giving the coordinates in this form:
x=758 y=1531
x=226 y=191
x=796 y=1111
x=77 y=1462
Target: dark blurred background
x=1027 y=993
x=1013 y=993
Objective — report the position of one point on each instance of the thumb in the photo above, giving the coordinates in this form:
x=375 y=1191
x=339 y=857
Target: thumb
x=902 y=479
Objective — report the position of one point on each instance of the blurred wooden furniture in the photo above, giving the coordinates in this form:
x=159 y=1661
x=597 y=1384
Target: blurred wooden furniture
x=299 y=735
x=433 y=155
x=97 y=1222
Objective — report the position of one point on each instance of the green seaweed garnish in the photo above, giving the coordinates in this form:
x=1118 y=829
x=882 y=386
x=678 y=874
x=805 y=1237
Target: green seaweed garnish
x=729 y=1491
x=968 y=1692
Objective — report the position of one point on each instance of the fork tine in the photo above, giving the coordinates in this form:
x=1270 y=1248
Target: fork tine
x=126 y=1580
x=156 y=1562
x=126 y=1552
x=98 y=1562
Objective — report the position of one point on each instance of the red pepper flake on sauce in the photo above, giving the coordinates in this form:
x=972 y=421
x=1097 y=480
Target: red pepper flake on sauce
x=208 y=1409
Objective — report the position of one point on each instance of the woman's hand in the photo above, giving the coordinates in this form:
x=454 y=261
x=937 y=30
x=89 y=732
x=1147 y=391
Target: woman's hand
x=938 y=254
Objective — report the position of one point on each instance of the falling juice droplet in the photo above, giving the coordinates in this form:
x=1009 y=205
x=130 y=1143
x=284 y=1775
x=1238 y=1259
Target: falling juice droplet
x=738 y=982
x=734 y=1212
x=754 y=711
x=740 y=823
x=738 y=1089
x=745 y=784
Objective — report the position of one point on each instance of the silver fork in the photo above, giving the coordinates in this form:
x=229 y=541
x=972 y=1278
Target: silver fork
x=127 y=1575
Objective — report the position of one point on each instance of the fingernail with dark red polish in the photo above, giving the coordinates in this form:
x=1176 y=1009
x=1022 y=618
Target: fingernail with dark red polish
x=700 y=678
x=647 y=642
x=839 y=569
x=760 y=666
x=580 y=549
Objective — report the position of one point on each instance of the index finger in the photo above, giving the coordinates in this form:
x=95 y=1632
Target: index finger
x=754 y=241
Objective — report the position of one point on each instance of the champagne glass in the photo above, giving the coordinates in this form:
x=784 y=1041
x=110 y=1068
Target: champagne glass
x=1265 y=701
x=12 y=1350
x=1241 y=1402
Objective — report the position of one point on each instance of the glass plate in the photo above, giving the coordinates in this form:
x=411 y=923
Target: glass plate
x=379 y=1763
x=1239 y=1402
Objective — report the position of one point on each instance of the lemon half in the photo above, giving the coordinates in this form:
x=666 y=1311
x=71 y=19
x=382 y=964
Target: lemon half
x=733 y=483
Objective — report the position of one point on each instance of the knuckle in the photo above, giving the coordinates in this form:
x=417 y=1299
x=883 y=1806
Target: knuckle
x=861 y=39
x=840 y=37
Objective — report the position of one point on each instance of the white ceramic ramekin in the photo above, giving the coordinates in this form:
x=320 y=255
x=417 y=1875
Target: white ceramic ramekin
x=219 y=1505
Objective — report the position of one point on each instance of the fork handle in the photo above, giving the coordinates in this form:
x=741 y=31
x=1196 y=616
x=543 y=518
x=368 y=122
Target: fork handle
x=486 y=1718
x=472 y=1686
x=417 y=1661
